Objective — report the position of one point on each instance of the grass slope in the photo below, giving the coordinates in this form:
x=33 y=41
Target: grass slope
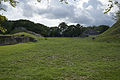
x=26 y=34
x=60 y=59
x=112 y=34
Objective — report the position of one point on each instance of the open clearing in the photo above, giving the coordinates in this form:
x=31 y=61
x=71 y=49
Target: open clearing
x=60 y=59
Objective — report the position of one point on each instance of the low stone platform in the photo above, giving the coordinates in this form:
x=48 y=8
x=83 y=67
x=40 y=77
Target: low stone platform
x=9 y=40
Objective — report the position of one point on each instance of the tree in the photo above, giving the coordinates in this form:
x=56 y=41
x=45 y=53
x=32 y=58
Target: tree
x=54 y=32
x=3 y=18
x=62 y=26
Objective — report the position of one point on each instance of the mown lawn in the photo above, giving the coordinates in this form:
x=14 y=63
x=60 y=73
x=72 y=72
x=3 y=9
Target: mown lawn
x=60 y=59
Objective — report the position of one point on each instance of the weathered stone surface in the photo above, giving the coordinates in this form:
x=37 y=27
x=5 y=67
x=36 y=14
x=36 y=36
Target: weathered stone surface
x=89 y=32
x=9 y=40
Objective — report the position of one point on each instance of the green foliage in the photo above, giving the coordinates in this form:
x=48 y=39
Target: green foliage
x=54 y=32
x=63 y=30
x=3 y=29
x=13 y=27
x=2 y=18
x=60 y=59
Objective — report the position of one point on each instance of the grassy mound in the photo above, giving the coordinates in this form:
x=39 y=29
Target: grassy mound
x=25 y=34
x=60 y=59
x=30 y=35
x=112 y=34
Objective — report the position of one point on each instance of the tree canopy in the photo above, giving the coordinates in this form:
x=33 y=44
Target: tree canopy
x=62 y=30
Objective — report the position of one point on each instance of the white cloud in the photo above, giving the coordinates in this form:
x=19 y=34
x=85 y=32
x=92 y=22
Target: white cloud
x=88 y=12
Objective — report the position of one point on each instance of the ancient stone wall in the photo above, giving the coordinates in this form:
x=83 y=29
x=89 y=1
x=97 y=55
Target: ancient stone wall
x=8 y=40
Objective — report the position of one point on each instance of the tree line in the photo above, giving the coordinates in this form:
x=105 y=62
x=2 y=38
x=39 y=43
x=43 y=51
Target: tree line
x=62 y=30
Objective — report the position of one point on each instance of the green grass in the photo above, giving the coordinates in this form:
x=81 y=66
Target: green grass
x=60 y=59
x=26 y=34
x=112 y=34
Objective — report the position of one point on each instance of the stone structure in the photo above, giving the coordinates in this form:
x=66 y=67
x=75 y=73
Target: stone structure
x=90 y=32
x=8 y=40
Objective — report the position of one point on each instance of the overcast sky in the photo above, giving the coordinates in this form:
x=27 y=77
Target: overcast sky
x=85 y=12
